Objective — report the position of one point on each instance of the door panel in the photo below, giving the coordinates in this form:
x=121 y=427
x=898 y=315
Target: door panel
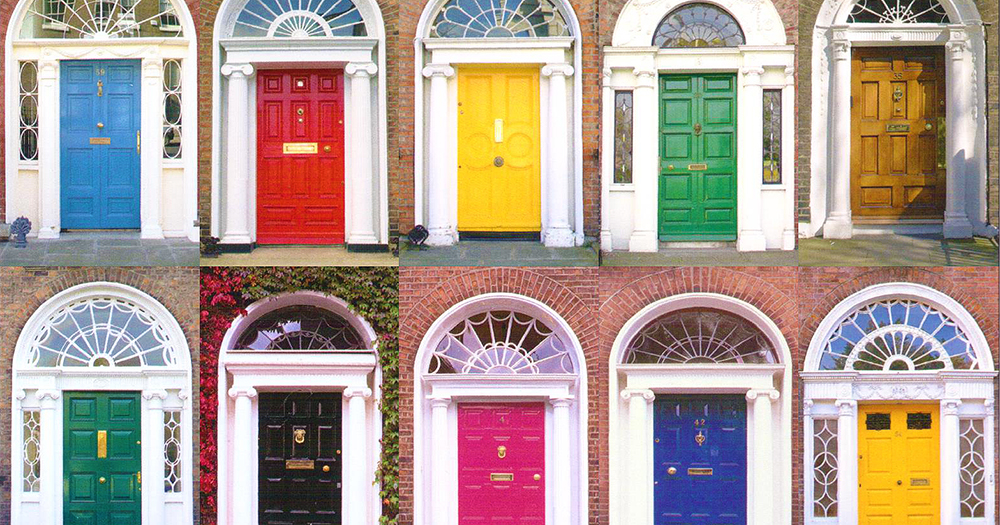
x=300 y=461
x=99 y=126
x=699 y=457
x=898 y=165
x=498 y=118
x=102 y=458
x=501 y=460
x=898 y=464
x=697 y=187
x=300 y=157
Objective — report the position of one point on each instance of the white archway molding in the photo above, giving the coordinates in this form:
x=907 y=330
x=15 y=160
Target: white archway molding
x=168 y=187
x=831 y=399
x=435 y=416
x=235 y=61
x=38 y=393
x=964 y=41
x=435 y=111
x=638 y=20
x=634 y=387
x=245 y=373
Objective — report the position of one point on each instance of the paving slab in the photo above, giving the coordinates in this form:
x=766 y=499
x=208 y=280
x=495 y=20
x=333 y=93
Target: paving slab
x=100 y=249
x=898 y=250
x=498 y=253
x=714 y=256
x=299 y=255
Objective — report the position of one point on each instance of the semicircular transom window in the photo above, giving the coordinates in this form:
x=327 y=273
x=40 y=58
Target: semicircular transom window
x=501 y=342
x=499 y=19
x=99 y=332
x=101 y=19
x=699 y=336
x=897 y=335
x=698 y=25
x=300 y=328
x=299 y=19
x=898 y=12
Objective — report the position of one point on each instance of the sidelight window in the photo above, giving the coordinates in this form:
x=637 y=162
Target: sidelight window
x=100 y=19
x=698 y=25
x=623 y=137
x=499 y=19
x=172 y=109
x=172 y=451
x=28 y=87
x=825 y=468
x=973 y=468
x=772 y=136
x=31 y=451
x=898 y=12
x=700 y=336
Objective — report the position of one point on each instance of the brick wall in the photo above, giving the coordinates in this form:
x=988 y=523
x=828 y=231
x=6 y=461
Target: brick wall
x=23 y=290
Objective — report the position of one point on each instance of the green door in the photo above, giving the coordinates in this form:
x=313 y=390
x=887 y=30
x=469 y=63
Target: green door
x=697 y=157
x=101 y=458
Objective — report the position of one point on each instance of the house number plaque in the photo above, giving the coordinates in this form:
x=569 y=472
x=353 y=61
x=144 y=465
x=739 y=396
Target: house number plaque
x=299 y=464
x=300 y=148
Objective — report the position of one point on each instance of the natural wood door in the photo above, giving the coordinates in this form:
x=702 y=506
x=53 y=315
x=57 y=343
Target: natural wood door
x=897 y=134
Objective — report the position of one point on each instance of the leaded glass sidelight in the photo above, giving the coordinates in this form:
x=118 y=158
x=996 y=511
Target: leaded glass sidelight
x=972 y=494
x=825 y=468
x=623 y=137
x=172 y=451
x=898 y=12
x=898 y=335
x=501 y=342
x=28 y=92
x=499 y=19
x=772 y=136
x=101 y=19
x=31 y=452
x=698 y=25
x=300 y=19
x=300 y=328
x=700 y=336
x=172 y=109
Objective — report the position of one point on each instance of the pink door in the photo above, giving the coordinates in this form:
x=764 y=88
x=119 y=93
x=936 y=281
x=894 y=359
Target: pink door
x=501 y=463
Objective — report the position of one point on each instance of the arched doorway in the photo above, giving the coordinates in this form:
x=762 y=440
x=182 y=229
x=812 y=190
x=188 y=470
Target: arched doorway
x=298 y=422
x=700 y=405
x=299 y=141
x=101 y=408
x=894 y=372
x=500 y=415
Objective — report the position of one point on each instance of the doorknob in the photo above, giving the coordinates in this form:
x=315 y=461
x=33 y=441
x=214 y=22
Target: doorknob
x=101 y=480
x=899 y=482
x=326 y=149
x=326 y=468
x=671 y=471
x=537 y=477
x=100 y=125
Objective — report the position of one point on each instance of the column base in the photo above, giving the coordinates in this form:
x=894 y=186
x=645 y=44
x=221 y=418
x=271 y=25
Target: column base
x=362 y=238
x=48 y=233
x=367 y=248
x=751 y=241
x=607 y=241
x=236 y=238
x=838 y=227
x=788 y=240
x=559 y=238
x=957 y=227
x=643 y=241
x=151 y=232
x=441 y=237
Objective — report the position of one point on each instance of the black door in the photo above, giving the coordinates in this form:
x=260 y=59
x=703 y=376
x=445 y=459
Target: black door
x=300 y=459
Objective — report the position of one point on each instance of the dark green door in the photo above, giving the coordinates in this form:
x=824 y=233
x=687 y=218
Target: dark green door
x=101 y=458
x=697 y=157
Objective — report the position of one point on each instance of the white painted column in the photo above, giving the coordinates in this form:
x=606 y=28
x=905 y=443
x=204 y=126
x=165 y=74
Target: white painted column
x=960 y=136
x=559 y=232
x=363 y=150
x=788 y=235
x=750 y=170
x=237 y=174
x=355 y=454
x=48 y=150
x=152 y=457
x=989 y=453
x=645 y=163
x=951 y=498
x=439 y=198
x=561 y=501
x=847 y=462
x=151 y=149
x=808 y=453
x=838 y=224
x=441 y=447
x=50 y=487
x=607 y=157
x=243 y=453
x=639 y=457
x=763 y=451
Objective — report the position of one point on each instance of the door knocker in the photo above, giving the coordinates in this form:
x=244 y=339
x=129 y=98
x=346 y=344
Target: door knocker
x=897 y=95
x=299 y=435
x=700 y=438
x=498 y=162
x=300 y=111
x=697 y=129
x=501 y=452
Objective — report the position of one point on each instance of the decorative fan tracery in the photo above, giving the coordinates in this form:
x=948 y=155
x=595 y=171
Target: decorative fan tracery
x=700 y=336
x=499 y=19
x=300 y=328
x=100 y=19
x=698 y=25
x=299 y=19
x=898 y=12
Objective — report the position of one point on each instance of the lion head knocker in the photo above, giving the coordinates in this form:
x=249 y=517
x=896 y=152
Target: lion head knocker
x=299 y=435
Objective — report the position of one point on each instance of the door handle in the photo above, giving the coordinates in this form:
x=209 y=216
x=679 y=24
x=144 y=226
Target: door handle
x=137 y=141
x=498 y=130
x=102 y=444
x=100 y=88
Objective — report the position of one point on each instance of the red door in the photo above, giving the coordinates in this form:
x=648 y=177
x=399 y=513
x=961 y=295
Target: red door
x=501 y=463
x=300 y=157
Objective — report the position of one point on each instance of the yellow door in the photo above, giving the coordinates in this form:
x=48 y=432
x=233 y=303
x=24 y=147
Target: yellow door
x=898 y=465
x=499 y=157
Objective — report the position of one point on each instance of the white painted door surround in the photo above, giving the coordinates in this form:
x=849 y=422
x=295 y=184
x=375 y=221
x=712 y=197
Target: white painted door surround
x=60 y=349
x=929 y=349
x=765 y=212
x=961 y=34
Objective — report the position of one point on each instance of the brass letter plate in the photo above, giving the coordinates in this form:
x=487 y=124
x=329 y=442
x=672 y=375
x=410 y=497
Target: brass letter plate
x=100 y=141
x=501 y=476
x=920 y=482
x=697 y=167
x=699 y=472
x=300 y=148
x=897 y=128
x=299 y=464
x=102 y=444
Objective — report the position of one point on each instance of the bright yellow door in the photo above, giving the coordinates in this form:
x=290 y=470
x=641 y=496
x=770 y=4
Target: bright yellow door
x=499 y=156
x=898 y=465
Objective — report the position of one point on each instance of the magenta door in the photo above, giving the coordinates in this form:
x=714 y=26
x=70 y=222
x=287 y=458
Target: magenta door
x=501 y=463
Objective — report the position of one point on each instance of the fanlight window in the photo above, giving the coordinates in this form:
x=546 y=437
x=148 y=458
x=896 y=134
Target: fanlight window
x=501 y=342
x=499 y=19
x=898 y=335
x=102 y=331
x=300 y=328
x=702 y=336
x=299 y=19
x=100 y=19
x=698 y=25
x=898 y=12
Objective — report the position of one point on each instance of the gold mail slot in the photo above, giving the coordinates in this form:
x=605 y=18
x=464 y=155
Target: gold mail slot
x=101 y=141
x=697 y=167
x=299 y=464
x=501 y=476
x=300 y=148
x=897 y=128
x=699 y=472
x=102 y=444
x=920 y=482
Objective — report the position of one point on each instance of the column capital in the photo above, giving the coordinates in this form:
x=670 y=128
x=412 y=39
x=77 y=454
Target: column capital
x=752 y=75
x=949 y=407
x=790 y=76
x=361 y=69
x=557 y=69
x=807 y=407
x=229 y=70
x=48 y=69
x=48 y=397
x=770 y=393
x=358 y=391
x=841 y=48
x=990 y=407
x=561 y=401
x=957 y=46
x=438 y=70
x=646 y=394
x=20 y=394
x=152 y=67
x=846 y=407
x=606 y=77
x=440 y=401
x=154 y=395
x=243 y=391
x=645 y=78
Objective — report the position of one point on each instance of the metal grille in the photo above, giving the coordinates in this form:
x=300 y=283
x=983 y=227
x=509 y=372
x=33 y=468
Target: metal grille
x=898 y=12
x=499 y=19
x=878 y=421
x=28 y=87
x=172 y=109
x=918 y=421
x=698 y=25
x=700 y=336
x=299 y=19
x=300 y=328
x=100 y=19
x=825 y=468
x=973 y=468
x=172 y=451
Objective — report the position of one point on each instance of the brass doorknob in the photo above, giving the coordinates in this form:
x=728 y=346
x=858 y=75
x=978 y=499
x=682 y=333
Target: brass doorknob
x=538 y=477
x=100 y=125
x=326 y=468
x=928 y=126
x=101 y=480
x=899 y=482
x=671 y=471
x=498 y=161
x=327 y=149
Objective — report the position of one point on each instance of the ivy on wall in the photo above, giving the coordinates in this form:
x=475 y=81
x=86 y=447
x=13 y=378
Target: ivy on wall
x=372 y=293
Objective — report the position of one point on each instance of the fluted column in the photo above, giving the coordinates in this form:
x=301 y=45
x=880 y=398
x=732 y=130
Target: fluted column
x=50 y=487
x=638 y=461
x=355 y=454
x=237 y=230
x=440 y=481
x=645 y=163
x=48 y=150
x=950 y=463
x=960 y=133
x=847 y=462
x=439 y=202
x=561 y=501
x=751 y=163
x=559 y=232
x=152 y=456
x=362 y=152
x=243 y=454
x=788 y=235
x=607 y=158
x=838 y=224
x=763 y=451
x=151 y=149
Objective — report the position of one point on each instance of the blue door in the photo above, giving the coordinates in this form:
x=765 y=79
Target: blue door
x=700 y=460
x=99 y=143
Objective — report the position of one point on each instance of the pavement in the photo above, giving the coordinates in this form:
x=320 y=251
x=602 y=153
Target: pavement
x=897 y=250
x=302 y=255
x=105 y=248
x=497 y=253
x=714 y=256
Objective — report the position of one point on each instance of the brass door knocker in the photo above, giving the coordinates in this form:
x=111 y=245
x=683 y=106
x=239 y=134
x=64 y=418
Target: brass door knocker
x=897 y=95
x=700 y=438
x=501 y=452
x=299 y=435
